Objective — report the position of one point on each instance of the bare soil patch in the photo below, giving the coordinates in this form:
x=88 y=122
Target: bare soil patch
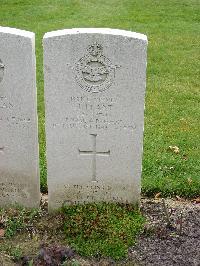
x=169 y=245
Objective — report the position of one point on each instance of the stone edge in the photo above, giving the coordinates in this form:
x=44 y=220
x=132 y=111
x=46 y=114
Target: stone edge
x=30 y=36
x=17 y=32
x=107 y=31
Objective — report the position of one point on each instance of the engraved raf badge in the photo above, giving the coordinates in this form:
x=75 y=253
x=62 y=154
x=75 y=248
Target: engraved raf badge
x=94 y=72
x=1 y=70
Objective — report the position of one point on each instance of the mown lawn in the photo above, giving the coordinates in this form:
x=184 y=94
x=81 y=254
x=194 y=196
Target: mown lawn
x=172 y=116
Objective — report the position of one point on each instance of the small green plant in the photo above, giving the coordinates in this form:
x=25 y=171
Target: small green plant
x=13 y=224
x=30 y=263
x=16 y=253
x=75 y=263
x=102 y=229
x=71 y=263
x=16 y=219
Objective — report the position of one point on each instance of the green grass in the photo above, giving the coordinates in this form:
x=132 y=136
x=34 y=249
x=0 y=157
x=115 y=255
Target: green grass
x=97 y=230
x=173 y=95
x=102 y=229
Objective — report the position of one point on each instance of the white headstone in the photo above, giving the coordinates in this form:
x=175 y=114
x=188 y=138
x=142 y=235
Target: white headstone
x=19 y=173
x=94 y=93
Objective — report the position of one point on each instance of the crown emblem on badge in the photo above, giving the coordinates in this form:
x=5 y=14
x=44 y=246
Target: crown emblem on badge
x=1 y=70
x=95 y=49
x=94 y=72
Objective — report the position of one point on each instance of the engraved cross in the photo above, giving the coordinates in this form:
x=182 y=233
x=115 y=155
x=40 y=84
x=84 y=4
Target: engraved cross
x=94 y=154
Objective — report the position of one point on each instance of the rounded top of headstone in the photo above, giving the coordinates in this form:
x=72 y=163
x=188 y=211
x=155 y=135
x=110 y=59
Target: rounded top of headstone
x=13 y=31
x=107 y=31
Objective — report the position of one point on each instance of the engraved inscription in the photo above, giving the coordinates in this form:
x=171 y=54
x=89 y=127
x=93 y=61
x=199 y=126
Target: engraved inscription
x=7 y=117
x=94 y=153
x=1 y=70
x=92 y=192
x=22 y=122
x=94 y=72
x=10 y=189
x=5 y=103
x=94 y=113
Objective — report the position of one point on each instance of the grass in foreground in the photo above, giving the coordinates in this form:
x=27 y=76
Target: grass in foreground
x=172 y=99
x=102 y=229
x=92 y=230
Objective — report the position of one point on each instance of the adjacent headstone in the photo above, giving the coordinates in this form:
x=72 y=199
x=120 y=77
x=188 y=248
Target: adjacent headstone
x=94 y=90
x=19 y=173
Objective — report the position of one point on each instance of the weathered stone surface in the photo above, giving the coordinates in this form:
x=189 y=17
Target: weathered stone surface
x=19 y=173
x=94 y=93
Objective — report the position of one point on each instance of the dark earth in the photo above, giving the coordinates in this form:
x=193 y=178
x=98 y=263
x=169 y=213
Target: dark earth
x=175 y=244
